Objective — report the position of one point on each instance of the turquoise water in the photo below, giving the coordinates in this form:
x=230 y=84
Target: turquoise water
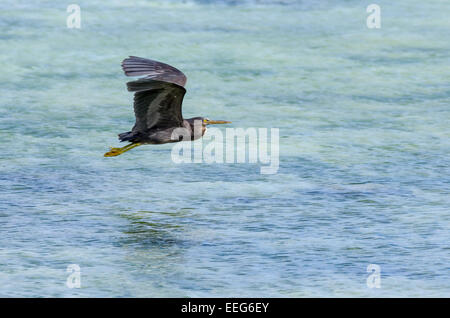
x=364 y=173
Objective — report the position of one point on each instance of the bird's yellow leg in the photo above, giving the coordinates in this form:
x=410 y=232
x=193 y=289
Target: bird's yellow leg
x=118 y=151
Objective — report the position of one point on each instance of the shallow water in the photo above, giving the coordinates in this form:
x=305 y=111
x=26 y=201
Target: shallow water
x=364 y=151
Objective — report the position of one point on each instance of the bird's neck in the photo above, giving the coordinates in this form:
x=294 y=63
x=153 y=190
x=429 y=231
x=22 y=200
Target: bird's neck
x=196 y=127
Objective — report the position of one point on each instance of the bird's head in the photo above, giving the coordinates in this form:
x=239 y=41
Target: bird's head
x=197 y=130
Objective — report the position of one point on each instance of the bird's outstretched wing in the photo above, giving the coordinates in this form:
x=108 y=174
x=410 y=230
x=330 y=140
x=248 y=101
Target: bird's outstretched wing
x=135 y=66
x=159 y=95
x=157 y=104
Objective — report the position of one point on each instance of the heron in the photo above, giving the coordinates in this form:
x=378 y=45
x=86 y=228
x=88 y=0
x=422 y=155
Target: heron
x=157 y=106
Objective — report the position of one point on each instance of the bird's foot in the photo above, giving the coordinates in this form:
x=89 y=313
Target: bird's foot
x=114 y=152
x=118 y=151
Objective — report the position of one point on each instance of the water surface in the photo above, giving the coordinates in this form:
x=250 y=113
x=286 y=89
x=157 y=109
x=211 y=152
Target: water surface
x=364 y=151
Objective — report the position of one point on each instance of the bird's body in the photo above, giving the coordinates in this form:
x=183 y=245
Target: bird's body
x=158 y=136
x=157 y=105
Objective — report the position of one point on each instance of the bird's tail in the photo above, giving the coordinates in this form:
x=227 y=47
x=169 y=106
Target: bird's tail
x=126 y=136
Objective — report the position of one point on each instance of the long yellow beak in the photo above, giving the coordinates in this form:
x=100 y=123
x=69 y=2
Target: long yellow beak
x=214 y=122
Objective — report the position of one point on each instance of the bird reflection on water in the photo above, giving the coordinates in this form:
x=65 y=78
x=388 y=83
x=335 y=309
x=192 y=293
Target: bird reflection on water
x=146 y=230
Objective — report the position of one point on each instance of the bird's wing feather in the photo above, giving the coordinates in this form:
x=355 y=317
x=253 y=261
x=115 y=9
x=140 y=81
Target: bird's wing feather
x=157 y=104
x=135 y=66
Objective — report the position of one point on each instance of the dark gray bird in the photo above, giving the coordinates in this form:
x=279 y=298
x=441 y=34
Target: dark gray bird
x=157 y=106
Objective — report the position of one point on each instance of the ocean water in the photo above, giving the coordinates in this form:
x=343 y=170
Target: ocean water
x=364 y=176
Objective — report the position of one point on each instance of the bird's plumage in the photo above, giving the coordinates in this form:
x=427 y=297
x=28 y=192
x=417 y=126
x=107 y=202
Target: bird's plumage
x=156 y=104
x=158 y=96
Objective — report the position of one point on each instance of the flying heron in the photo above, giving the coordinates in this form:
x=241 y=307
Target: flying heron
x=157 y=106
